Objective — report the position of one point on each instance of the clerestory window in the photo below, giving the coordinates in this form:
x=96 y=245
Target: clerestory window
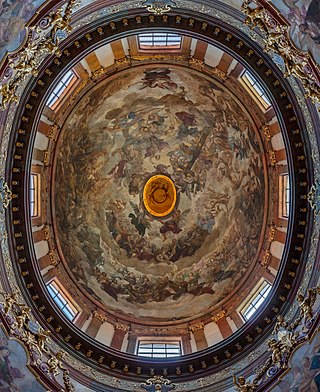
x=61 y=299
x=284 y=188
x=256 y=300
x=159 y=40
x=55 y=97
x=159 y=349
x=34 y=195
x=257 y=90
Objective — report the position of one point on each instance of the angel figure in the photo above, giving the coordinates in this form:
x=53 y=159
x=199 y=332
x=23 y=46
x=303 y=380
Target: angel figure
x=276 y=354
x=55 y=363
x=243 y=386
x=139 y=219
x=42 y=338
x=10 y=301
x=280 y=325
x=174 y=223
x=22 y=319
x=307 y=303
x=255 y=17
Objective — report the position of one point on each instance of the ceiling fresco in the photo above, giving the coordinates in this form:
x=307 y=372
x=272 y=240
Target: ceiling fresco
x=304 y=19
x=14 y=14
x=144 y=122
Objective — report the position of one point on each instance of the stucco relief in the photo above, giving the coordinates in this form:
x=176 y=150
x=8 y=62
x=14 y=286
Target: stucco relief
x=174 y=122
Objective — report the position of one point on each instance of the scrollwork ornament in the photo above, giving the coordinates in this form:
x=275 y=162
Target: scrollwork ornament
x=314 y=198
x=159 y=7
x=158 y=384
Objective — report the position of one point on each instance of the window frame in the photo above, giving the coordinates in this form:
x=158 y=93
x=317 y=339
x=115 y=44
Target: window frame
x=62 y=89
x=284 y=193
x=160 y=341
x=165 y=47
x=260 y=291
x=34 y=195
x=62 y=299
x=259 y=93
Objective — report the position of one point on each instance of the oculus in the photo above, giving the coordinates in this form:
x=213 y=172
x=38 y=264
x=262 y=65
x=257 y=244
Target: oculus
x=159 y=195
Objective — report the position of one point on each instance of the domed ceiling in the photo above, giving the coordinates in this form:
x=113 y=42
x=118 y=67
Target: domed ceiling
x=171 y=121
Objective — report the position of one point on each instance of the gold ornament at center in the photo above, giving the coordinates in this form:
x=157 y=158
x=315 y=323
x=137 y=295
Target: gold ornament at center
x=159 y=195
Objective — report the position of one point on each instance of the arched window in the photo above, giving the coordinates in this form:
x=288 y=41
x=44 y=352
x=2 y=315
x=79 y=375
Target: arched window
x=57 y=94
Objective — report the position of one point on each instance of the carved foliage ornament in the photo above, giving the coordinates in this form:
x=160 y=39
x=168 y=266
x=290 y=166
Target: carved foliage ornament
x=158 y=384
x=159 y=7
x=5 y=194
x=314 y=198
x=276 y=29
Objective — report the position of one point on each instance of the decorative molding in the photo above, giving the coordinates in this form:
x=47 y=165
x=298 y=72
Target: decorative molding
x=99 y=316
x=5 y=194
x=158 y=383
x=195 y=327
x=35 y=340
x=222 y=314
x=266 y=131
x=286 y=338
x=122 y=327
x=159 y=7
x=314 y=197
x=297 y=63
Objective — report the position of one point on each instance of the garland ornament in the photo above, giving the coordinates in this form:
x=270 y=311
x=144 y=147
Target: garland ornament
x=42 y=39
x=284 y=341
x=277 y=39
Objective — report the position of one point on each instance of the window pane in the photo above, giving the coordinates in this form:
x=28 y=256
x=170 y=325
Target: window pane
x=60 y=88
x=257 y=300
x=60 y=300
x=159 y=350
x=159 y=39
x=257 y=89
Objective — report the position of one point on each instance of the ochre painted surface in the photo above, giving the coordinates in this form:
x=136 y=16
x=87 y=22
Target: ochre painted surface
x=143 y=122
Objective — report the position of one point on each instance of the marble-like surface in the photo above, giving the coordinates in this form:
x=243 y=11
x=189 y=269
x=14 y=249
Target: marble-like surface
x=148 y=121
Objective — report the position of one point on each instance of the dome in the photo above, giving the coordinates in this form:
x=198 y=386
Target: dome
x=159 y=121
